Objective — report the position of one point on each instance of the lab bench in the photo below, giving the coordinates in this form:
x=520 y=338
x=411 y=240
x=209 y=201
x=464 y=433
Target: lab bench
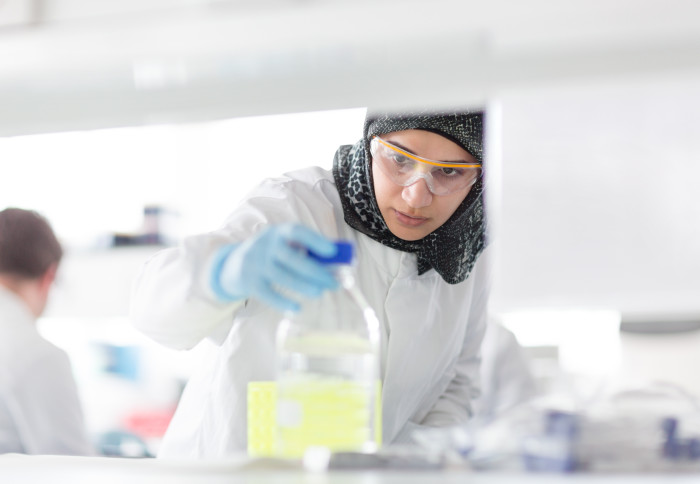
x=21 y=469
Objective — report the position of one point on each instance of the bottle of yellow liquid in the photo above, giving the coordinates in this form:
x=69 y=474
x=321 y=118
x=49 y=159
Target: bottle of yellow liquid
x=328 y=370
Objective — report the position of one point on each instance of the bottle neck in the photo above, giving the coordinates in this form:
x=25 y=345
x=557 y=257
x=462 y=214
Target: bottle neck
x=344 y=274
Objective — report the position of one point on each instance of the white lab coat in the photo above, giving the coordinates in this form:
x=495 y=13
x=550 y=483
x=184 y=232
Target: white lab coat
x=507 y=378
x=40 y=411
x=431 y=330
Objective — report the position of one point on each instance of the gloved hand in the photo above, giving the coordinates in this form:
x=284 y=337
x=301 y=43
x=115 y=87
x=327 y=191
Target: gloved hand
x=274 y=258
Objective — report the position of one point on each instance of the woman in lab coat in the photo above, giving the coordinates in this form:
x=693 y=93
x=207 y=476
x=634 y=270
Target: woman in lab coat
x=409 y=195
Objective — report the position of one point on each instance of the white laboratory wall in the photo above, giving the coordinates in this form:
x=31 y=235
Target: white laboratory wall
x=600 y=202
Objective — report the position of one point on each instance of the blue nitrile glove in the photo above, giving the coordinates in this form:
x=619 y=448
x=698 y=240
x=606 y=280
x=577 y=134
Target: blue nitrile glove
x=274 y=257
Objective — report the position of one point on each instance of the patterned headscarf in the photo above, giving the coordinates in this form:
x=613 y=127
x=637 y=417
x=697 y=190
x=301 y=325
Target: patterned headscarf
x=453 y=248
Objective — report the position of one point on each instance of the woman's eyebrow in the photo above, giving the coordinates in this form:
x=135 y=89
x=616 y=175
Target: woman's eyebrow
x=399 y=145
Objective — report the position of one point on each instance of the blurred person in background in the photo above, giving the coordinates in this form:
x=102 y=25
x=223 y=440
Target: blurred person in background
x=40 y=411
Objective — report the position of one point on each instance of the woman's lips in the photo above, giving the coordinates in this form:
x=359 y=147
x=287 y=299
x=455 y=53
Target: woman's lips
x=406 y=219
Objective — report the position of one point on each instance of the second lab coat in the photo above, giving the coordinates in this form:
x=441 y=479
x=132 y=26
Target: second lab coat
x=431 y=330
x=40 y=410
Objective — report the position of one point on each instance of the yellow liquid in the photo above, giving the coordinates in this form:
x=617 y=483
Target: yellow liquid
x=334 y=414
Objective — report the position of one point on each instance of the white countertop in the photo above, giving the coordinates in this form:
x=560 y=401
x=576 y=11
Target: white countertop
x=21 y=469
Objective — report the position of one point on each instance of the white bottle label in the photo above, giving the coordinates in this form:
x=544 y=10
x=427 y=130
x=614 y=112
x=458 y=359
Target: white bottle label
x=289 y=413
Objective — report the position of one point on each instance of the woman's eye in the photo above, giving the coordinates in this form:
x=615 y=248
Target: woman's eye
x=451 y=172
x=400 y=159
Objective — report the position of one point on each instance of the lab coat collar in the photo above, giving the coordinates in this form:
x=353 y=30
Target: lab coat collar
x=13 y=309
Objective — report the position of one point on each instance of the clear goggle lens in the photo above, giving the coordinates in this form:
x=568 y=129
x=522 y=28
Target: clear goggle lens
x=405 y=169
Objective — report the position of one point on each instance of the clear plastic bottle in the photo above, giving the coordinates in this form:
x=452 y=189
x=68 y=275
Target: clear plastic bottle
x=328 y=389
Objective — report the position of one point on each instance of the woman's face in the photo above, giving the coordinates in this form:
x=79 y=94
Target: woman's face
x=413 y=212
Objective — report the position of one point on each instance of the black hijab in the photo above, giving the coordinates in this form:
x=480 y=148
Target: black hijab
x=453 y=248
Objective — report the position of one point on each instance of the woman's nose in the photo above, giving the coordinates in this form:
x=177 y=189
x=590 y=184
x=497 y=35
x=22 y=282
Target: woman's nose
x=417 y=195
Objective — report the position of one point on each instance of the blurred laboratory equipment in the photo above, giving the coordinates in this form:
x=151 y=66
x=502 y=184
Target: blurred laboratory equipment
x=328 y=370
x=159 y=227
x=582 y=428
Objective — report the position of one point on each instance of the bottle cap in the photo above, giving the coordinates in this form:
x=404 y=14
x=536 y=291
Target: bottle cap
x=344 y=254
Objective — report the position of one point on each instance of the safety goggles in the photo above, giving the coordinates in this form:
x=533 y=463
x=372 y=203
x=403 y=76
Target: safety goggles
x=405 y=169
